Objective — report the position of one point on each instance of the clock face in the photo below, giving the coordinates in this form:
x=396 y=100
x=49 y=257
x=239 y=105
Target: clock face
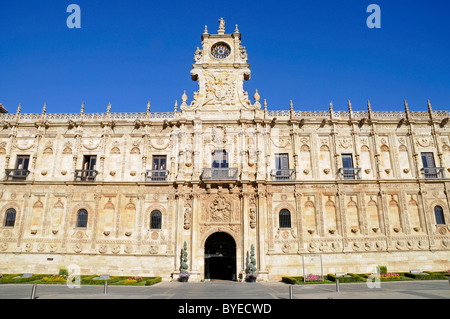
x=220 y=50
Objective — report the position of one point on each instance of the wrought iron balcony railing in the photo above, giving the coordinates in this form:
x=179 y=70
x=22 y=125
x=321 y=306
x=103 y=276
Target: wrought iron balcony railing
x=349 y=173
x=219 y=174
x=159 y=175
x=432 y=172
x=16 y=174
x=85 y=175
x=283 y=174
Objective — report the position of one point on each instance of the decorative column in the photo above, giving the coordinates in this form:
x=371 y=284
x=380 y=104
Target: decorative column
x=299 y=216
x=262 y=216
x=197 y=251
x=67 y=219
x=247 y=228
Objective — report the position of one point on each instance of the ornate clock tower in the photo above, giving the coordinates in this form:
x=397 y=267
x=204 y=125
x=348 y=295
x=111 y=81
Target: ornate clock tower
x=220 y=68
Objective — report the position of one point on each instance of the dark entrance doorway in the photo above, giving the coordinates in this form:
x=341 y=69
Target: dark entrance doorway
x=220 y=257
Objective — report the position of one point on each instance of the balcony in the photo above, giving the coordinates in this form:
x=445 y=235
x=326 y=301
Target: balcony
x=349 y=173
x=159 y=175
x=85 y=175
x=16 y=174
x=432 y=172
x=282 y=174
x=219 y=174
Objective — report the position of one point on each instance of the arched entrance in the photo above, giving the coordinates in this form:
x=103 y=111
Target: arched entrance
x=220 y=257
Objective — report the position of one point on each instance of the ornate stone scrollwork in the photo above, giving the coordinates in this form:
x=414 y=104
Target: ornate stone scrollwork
x=219 y=210
x=187 y=216
x=252 y=215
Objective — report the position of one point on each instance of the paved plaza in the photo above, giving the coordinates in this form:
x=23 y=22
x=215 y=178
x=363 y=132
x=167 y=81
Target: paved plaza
x=435 y=289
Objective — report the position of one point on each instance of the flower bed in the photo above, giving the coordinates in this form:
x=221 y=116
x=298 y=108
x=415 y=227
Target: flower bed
x=389 y=276
x=54 y=278
x=19 y=279
x=85 y=279
x=132 y=280
x=313 y=278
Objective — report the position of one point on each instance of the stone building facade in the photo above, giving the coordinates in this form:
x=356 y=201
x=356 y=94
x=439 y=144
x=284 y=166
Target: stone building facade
x=120 y=193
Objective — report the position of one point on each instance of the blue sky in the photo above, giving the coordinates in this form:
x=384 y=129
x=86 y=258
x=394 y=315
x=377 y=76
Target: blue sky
x=311 y=52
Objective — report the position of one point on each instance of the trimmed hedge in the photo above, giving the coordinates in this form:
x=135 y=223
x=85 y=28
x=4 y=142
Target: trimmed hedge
x=90 y=280
x=430 y=276
x=85 y=280
x=10 y=279
x=294 y=280
x=152 y=280
x=351 y=278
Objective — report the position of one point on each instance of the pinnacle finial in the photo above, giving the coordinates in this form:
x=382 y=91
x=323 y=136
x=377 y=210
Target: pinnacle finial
x=82 y=107
x=44 y=108
x=206 y=30
x=256 y=96
x=406 y=104
x=108 y=109
x=331 y=106
x=176 y=106
x=236 y=30
x=349 y=106
x=429 y=104
x=19 y=107
x=265 y=105
x=148 y=106
x=292 y=106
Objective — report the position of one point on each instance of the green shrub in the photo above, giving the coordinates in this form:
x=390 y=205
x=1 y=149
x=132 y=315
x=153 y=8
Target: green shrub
x=429 y=276
x=349 y=278
x=152 y=280
x=383 y=270
x=294 y=280
x=63 y=272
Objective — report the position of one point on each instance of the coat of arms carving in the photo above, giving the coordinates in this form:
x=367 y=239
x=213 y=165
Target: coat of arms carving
x=219 y=210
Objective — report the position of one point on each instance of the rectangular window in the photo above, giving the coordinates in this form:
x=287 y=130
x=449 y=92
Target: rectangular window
x=22 y=162
x=429 y=166
x=428 y=160
x=347 y=161
x=159 y=168
x=20 y=171
x=282 y=161
x=219 y=159
x=88 y=173
x=89 y=162
x=159 y=162
x=348 y=170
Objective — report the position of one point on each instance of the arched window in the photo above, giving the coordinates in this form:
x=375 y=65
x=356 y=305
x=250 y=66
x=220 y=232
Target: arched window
x=439 y=215
x=155 y=219
x=285 y=218
x=10 y=217
x=82 y=218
